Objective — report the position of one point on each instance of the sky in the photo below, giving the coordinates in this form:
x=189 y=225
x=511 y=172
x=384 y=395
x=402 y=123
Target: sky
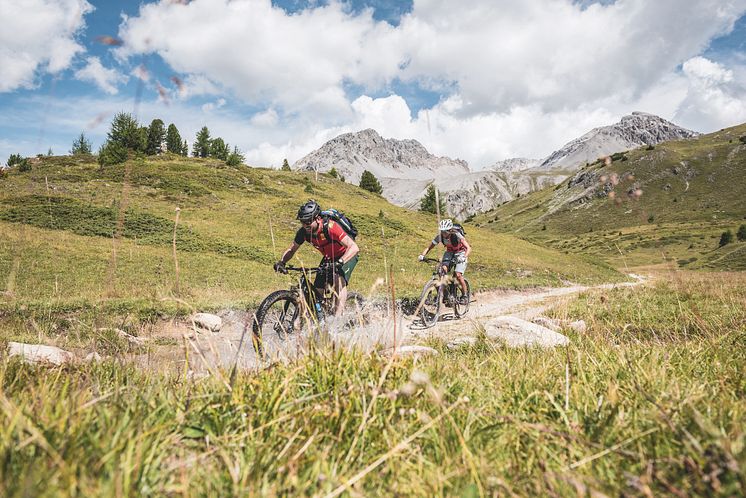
x=479 y=80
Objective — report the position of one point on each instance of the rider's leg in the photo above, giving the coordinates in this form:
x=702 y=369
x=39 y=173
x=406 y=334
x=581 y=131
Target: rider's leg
x=340 y=291
x=462 y=283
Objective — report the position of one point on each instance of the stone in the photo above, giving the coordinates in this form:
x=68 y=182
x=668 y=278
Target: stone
x=137 y=341
x=93 y=357
x=411 y=351
x=550 y=323
x=208 y=321
x=515 y=333
x=461 y=341
x=578 y=326
x=39 y=353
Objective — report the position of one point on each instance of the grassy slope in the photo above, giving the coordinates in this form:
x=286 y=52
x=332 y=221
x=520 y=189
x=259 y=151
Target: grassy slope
x=56 y=224
x=654 y=407
x=692 y=190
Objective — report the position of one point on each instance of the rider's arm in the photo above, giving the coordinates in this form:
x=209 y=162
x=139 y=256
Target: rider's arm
x=289 y=252
x=429 y=248
x=468 y=247
x=352 y=248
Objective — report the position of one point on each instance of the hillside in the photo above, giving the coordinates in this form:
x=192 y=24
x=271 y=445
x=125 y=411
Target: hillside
x=666 y=202
x=57 y=221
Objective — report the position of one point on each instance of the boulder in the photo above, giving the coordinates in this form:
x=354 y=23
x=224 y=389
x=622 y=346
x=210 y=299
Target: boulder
x=515 y=332
x=461 y=341
x=578 y=326
x=550 y=323
x=411 y=351
x=39 y=353
x=208 y=321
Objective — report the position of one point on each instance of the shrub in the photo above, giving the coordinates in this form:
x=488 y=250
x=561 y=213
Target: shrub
x=725 y=238
x=235 y=158
x=651 y=218
x=308 y=189
x=742 y=139
x=369 y=182
x=14 y=159
x=112 y=153
x=650 y=147
x=333 y=173
x=741 y=234
x=24 y=165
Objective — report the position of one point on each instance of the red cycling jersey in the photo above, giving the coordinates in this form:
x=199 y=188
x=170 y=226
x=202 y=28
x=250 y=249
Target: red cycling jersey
x=454 y=243
x=331 y=247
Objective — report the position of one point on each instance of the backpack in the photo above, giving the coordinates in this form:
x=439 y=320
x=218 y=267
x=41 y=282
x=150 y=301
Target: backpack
x=344 y=222
x=460 y=229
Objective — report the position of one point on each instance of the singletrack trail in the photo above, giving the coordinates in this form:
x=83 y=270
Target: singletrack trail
x=202 y=353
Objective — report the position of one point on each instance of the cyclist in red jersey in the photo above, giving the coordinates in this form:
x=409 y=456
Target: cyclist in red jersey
x=340 y=252
x=457 y=252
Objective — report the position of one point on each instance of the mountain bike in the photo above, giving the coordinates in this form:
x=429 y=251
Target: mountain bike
x=442 y=291
x=283 y=314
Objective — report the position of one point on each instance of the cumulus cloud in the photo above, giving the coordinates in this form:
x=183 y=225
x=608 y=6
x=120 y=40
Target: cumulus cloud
x=38 y=36
x=106 y=79
x=715 y=97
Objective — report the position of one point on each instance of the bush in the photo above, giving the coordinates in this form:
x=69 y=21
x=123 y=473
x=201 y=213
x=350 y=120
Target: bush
x=333 y=173
x=726 y=238
x=741 y=234
x=112 y=153
x=24 y=165
x=308 y=189
x=650 y=147
x=651 y=218
x=369 y=182
x=742 y=139
x=14 y=159
x=235 y=158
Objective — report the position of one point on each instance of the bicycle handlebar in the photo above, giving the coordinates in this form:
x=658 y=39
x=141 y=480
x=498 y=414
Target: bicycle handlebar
x=430 y=260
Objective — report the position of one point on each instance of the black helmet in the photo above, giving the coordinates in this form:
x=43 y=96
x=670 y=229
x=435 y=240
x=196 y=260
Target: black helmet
x=309 y=211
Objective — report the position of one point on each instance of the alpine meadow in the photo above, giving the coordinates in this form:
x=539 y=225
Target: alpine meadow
x=366 y=248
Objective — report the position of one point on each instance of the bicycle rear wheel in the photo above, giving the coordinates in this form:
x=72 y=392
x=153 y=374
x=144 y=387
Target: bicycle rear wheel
x=458 y=308
x=429 y=307
x=277 y=318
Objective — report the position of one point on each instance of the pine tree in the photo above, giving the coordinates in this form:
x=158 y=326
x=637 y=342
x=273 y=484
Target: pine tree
x=219 y=149
x=156 y=136
x=369 y=182
x=333 y=172
x=173 y=140
x=49 y=152
x=285 y=165
x=81 y=146
x=185 y=149
x=427 y=204
x=201 y=147
x=125 y=131
x=143 y=146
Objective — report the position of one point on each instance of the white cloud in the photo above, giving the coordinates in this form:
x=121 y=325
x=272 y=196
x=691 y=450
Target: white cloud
x=210 y=106
x=715 y=97
x=106 y=79
x=38 y=36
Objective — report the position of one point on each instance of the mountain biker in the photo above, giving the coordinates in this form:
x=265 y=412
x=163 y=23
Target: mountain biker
x=340 y=252
x=457 y=253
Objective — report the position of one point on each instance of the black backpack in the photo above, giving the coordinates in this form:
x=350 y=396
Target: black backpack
x=460 y=229
x=344 y=222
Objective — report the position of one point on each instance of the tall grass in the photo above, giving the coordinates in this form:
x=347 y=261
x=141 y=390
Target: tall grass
x=620 y=411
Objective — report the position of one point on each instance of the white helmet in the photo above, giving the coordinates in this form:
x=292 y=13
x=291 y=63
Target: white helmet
x=445 y=225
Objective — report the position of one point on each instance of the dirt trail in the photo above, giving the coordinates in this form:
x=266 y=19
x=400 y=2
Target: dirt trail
x=202 y=352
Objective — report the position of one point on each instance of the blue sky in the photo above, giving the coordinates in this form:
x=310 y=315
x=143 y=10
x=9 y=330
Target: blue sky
x=481 y=80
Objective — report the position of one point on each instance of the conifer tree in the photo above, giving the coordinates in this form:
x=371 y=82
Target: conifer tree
x=219 y=149
x=173 y=140
x=156 y=136
x=369 y=182
x=81 y=146
x=427 y=204
x=285 y=165
x=201 y=147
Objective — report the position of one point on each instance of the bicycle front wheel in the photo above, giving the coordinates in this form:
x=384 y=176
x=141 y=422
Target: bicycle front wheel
x=429 y=307
x=277 y=318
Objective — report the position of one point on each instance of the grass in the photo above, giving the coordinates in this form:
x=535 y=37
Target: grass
x=58 y=254
x=645 y=205
x=649 y=401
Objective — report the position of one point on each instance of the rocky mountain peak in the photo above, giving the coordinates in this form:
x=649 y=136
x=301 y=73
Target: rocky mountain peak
x=353 y=153
x=632 y=131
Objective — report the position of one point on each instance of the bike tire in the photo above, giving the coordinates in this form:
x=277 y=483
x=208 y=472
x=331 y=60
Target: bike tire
x=462 y=309
x=430 y=303
x=262 y=328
